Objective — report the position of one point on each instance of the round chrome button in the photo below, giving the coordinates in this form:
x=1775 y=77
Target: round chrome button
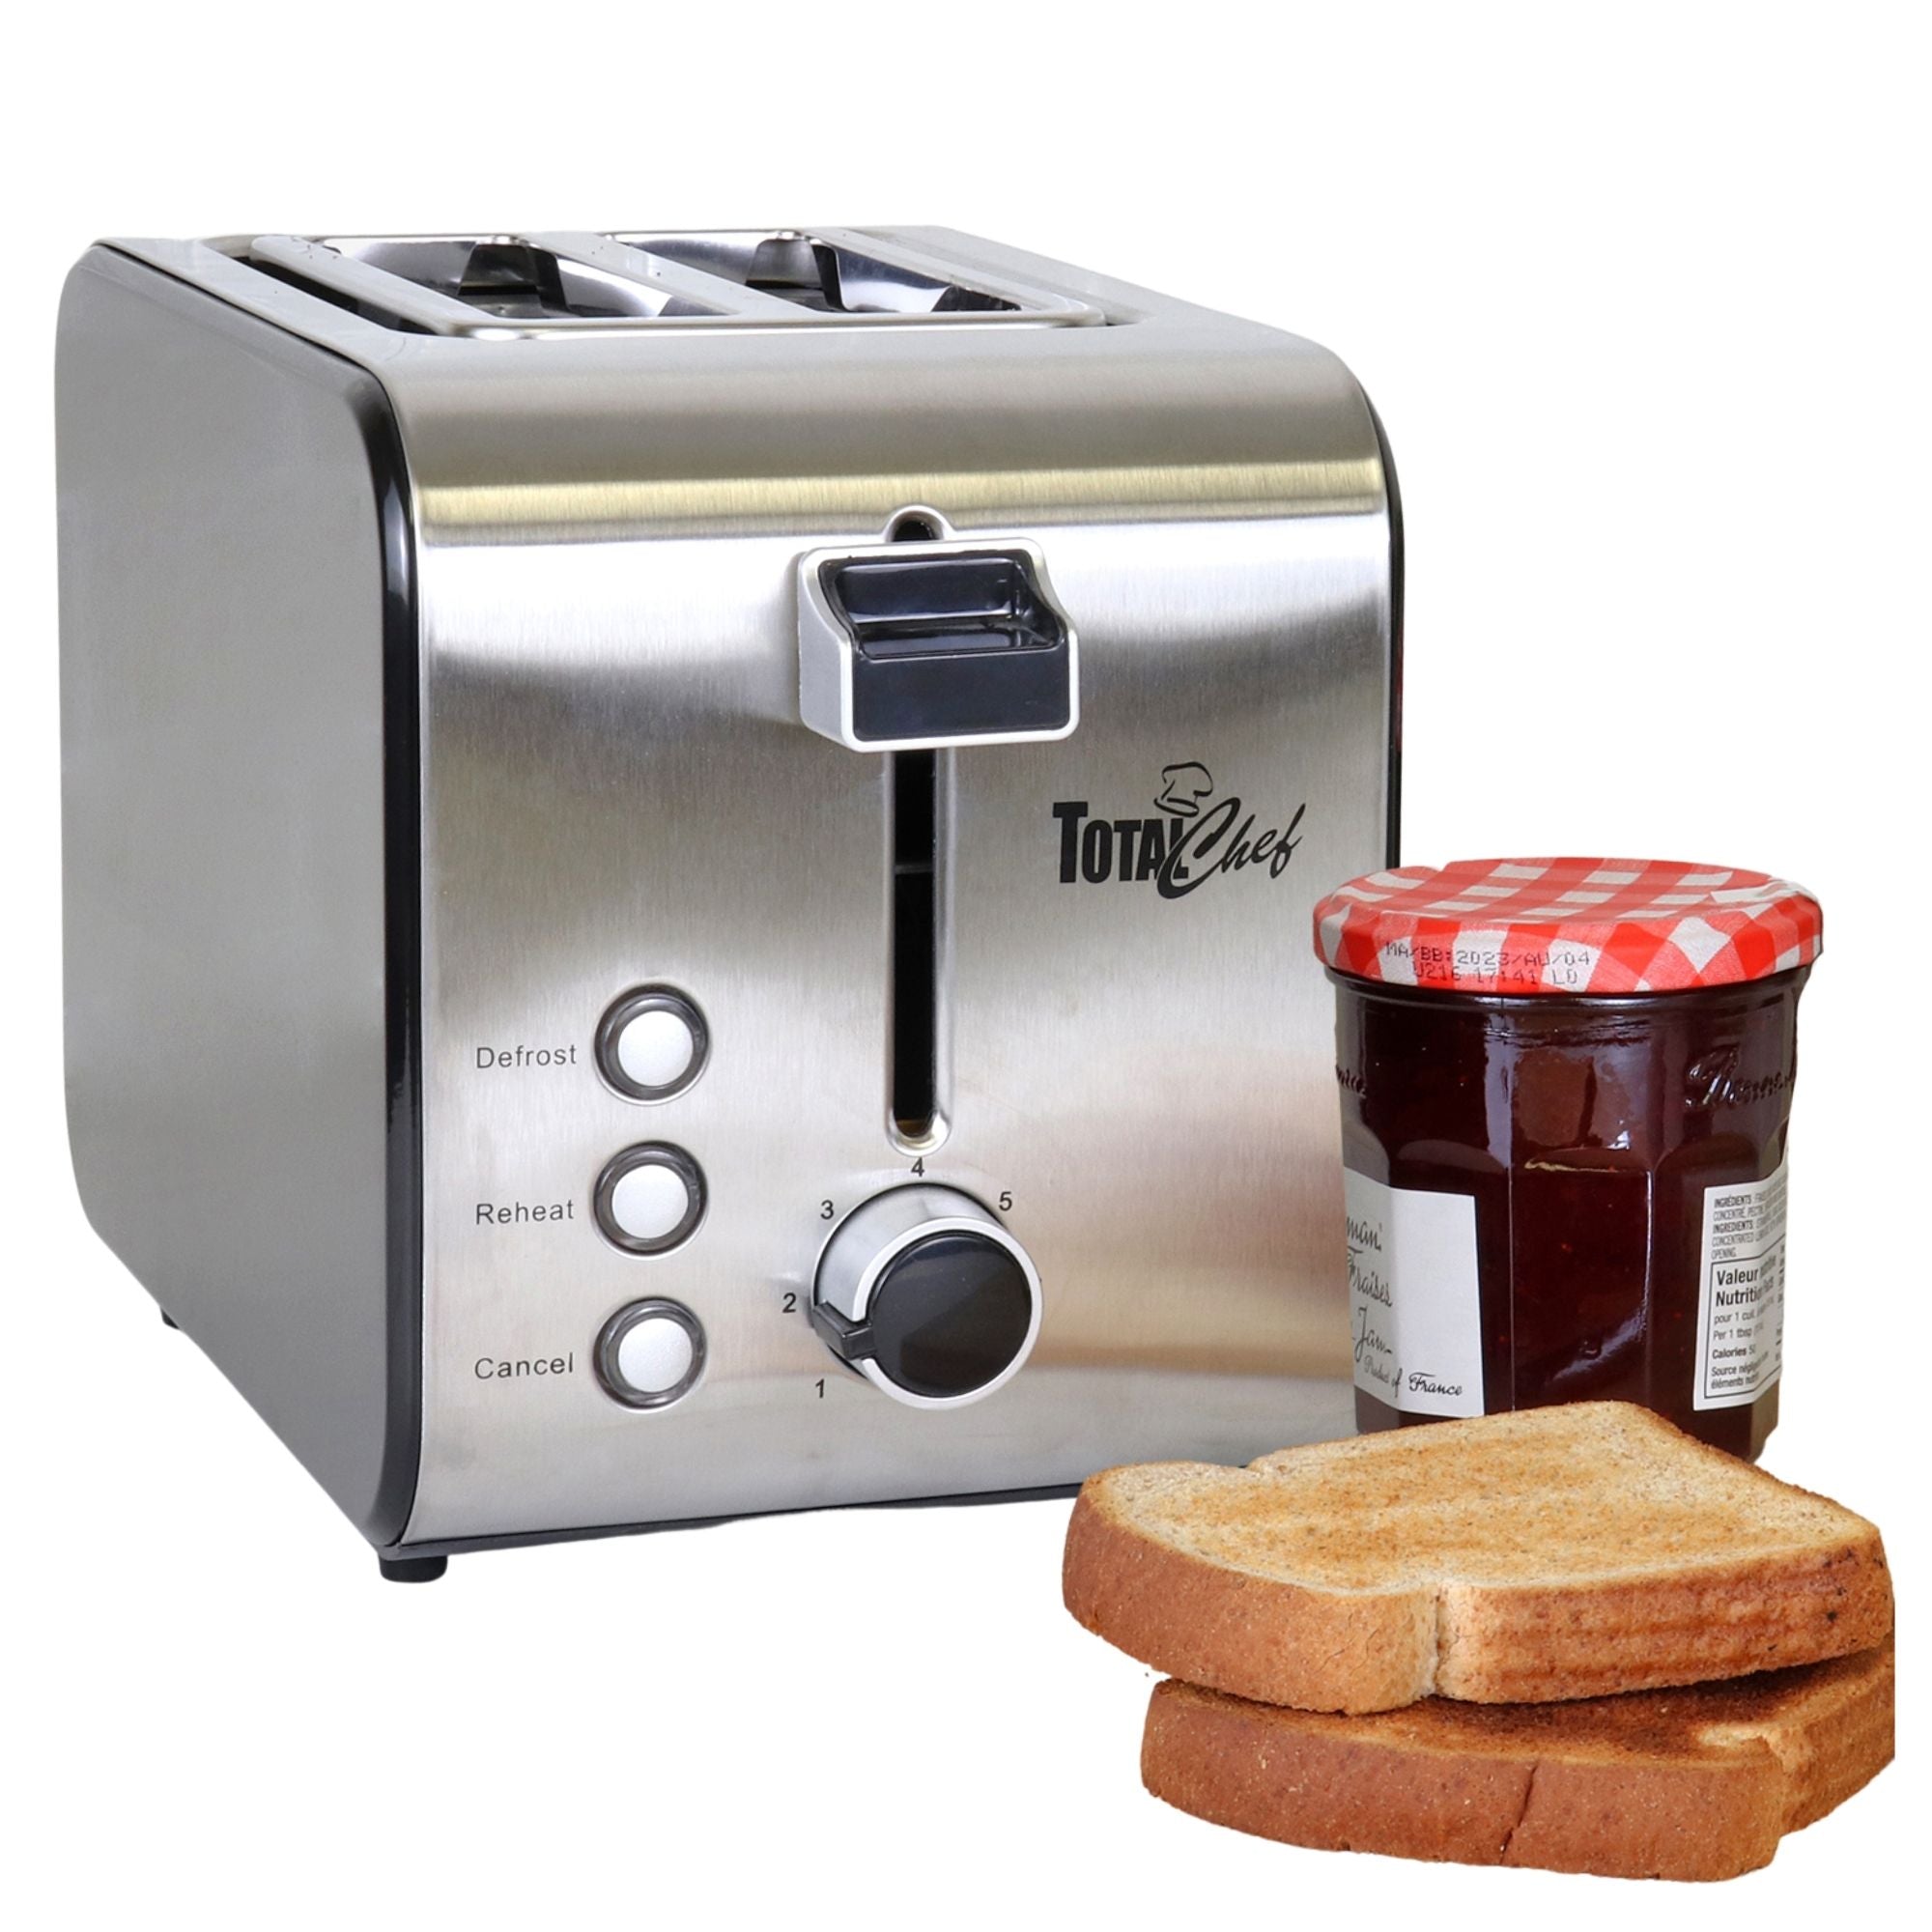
x=652 y=1044
x=650 y=1353
x=650 y=1199
x=655 y=1354
x=648 y=1203
x=655 y=1049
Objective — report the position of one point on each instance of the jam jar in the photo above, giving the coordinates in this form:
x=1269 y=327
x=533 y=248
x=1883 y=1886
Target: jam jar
x=1566 y=1088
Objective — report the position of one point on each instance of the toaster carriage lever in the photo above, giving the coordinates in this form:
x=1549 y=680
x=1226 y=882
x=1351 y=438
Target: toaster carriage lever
x=911 y=646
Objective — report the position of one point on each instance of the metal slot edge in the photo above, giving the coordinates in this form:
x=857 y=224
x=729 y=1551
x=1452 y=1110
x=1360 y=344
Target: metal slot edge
x=726 y=303
x=724 y=297
x=395 y=295
x=1031 y=304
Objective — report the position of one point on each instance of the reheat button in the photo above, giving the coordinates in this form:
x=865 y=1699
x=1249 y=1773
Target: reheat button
x=650 y=1199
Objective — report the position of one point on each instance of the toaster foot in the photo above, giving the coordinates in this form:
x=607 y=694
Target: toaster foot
x=168 y=1320
x=411 y=1569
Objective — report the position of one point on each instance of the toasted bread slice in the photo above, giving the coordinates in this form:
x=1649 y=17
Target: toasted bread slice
x=1696 y=1783
x=1560 y=1552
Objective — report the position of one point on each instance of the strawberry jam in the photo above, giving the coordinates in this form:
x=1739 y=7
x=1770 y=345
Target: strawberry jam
x=1563 y=1135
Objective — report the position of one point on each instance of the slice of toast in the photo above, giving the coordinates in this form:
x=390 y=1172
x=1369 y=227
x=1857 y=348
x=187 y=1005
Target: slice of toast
x=1560 y=1552
x=1696 y=1783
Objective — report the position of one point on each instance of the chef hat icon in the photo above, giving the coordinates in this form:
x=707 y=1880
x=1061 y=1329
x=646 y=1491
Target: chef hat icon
x=1183 y=787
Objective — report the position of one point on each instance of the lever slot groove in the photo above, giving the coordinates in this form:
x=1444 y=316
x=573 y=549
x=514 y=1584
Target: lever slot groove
x=918 y=785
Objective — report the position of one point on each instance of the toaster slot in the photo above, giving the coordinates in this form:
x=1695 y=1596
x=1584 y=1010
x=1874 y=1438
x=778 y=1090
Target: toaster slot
x=829 y=272
x=553 y=282
x=456 y=284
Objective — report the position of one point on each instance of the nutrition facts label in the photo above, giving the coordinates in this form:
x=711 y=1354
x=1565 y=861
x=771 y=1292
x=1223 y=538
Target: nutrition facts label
x=1740 y=1292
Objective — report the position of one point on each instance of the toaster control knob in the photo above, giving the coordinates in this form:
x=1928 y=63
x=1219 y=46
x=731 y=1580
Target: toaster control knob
x=926 y=1295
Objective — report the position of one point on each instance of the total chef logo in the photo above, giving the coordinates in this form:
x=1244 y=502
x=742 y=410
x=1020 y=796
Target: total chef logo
x=1194 y=838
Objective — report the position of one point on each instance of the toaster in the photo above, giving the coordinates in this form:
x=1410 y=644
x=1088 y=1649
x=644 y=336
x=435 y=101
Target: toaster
x=688 y=860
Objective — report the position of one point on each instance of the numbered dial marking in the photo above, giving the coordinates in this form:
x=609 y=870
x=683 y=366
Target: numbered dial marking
x=926 y=1295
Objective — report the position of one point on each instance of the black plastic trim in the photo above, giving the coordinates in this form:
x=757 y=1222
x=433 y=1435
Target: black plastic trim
x=402 y=888
x=1397 y=566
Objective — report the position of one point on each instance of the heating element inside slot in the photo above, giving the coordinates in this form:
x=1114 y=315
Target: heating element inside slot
x=919 y=784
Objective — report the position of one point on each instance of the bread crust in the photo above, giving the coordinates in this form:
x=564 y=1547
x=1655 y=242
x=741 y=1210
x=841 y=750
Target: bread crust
x=1526 y=1646
x=1698 y=1784
x=1240 y=1633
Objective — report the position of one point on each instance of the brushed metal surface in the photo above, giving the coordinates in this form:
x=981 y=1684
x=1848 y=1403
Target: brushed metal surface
x=617 y=791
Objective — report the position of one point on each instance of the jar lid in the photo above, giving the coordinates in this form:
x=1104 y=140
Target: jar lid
x=1567 y=926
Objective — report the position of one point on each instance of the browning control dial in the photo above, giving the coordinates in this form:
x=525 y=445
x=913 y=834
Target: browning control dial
x=926 y=1295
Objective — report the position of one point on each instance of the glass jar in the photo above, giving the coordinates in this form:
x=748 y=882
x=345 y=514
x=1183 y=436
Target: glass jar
x=1566 y=1091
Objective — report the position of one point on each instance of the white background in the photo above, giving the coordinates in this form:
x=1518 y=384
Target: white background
x=1637 y=292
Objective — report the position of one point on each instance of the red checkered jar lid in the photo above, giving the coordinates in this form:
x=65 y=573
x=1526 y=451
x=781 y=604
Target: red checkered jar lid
x=1567 y=926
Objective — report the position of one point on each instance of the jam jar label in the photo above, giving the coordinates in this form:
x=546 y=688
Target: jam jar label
x=1414 y=1301
x=1740 y=1292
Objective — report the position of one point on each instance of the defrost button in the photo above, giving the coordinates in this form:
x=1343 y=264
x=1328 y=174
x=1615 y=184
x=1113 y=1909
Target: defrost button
x=652 y=1043
x=655 y=1049
x=650 y=1199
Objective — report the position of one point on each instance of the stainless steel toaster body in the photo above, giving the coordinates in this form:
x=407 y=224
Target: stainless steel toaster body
x=596 y=767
